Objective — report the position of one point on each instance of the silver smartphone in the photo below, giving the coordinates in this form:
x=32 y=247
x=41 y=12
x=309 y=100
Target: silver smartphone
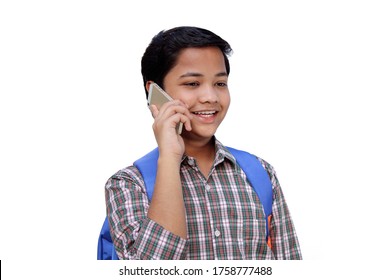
x=157 y=96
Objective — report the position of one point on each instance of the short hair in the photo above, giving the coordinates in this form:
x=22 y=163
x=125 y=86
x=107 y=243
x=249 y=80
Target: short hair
x=162 y=53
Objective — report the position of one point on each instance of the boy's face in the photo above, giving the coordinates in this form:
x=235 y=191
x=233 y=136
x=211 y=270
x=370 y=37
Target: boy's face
x=199 y=79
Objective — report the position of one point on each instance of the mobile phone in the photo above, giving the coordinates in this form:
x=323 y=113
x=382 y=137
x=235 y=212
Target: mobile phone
x=157 y=96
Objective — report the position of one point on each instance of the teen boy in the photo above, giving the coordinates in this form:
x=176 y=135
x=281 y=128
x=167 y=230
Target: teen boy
x=202 y=206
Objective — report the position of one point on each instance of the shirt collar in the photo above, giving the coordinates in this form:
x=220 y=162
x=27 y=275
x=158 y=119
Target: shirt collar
x=221 y=154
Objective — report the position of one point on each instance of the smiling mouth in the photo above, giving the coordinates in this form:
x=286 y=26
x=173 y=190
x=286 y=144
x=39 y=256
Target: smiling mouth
x=205 y=113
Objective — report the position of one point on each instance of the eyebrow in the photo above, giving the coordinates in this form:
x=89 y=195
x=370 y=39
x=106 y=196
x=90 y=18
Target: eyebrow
x=194 y=74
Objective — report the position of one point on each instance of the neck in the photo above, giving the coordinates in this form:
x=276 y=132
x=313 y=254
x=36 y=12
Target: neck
x=200 y=150
x=204 y=153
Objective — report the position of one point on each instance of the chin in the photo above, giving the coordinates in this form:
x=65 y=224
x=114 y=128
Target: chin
x=199 y=134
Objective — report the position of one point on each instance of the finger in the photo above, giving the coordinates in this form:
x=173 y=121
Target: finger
x=174 y=107
x=170 y=104
x=181 y=118
x=153 y=109
x=187 y=125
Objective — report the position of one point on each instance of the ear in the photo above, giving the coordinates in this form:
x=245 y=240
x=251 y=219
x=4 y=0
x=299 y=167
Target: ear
x=147 y=85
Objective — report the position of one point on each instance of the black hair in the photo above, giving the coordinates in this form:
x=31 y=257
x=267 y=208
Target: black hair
x=161 y=54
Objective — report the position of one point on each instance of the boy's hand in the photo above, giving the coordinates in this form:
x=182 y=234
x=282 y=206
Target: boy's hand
x=165 y=121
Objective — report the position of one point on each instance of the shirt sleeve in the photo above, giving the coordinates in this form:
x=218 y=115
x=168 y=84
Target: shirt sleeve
x=284 y=240
x=134 y=235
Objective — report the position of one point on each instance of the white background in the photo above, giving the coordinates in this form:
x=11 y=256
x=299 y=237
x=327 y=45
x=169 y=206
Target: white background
x=309 y=86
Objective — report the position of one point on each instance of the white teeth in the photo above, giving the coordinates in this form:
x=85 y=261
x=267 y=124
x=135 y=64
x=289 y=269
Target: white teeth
x=205 y=113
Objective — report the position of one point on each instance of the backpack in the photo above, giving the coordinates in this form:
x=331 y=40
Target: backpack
x=147 y=165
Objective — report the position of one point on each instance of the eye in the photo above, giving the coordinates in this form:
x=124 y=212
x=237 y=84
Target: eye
x=192 y=84
x=221 y=84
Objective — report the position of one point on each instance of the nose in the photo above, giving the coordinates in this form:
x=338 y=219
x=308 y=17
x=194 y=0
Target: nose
x=208 y=94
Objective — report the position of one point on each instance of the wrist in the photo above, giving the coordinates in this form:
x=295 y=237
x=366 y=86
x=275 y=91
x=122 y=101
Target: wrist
x=169 y=160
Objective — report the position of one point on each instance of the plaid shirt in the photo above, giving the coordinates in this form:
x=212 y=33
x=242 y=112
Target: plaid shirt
x=225 y=219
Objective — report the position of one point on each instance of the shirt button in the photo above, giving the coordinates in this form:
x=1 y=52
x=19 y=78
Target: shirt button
x=191 y=161
x=217 y=233
x=208 y=188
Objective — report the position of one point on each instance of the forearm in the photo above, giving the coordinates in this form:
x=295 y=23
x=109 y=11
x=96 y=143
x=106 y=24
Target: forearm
x=167 y=205
x=135 y=236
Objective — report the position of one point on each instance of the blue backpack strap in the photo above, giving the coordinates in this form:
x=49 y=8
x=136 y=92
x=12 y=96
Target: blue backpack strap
x=258 y=178
x=147 y=166
x=106 y=249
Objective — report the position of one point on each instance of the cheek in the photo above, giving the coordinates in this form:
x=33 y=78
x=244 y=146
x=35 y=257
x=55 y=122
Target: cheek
x=225 y=100
x=184 y=97
x=190 y=98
